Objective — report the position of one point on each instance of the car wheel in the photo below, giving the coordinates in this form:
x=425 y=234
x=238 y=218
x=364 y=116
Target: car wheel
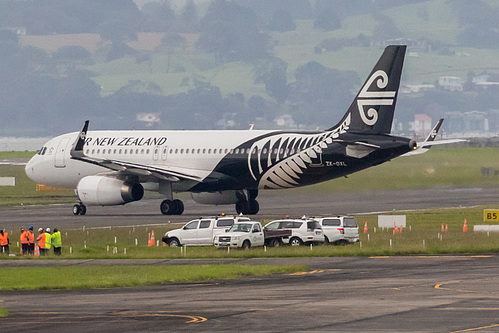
x=295 y=241
x=174 y=242
x=326 y=240
x=246 y=245
x=275 y=242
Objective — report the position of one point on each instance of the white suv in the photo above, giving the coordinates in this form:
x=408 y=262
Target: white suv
x=201 y=231
x=304 y=231
x=339 y=230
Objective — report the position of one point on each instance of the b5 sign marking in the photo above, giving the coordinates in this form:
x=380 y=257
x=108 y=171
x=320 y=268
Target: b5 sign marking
x=491 y=215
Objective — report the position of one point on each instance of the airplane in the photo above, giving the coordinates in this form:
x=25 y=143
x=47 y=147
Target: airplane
x=226 y=166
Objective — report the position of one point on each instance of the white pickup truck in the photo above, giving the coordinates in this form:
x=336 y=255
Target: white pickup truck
x=247 y=234
x=201 y=231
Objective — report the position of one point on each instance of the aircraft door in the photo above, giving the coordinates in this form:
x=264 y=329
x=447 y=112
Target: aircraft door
x=60 y=153
x=155 y=153
x=164 y=153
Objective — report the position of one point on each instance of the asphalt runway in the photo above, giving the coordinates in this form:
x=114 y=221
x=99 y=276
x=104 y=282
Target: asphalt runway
x=383 y=294
x=273 y=205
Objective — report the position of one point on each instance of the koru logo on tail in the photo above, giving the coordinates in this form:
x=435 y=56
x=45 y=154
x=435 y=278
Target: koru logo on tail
x=374 y=98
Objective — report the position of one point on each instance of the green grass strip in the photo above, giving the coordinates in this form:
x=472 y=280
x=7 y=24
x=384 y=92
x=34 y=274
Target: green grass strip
x=3 y=312
x=30 y=278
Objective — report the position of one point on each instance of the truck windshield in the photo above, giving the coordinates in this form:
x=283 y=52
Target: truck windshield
x=240 y=227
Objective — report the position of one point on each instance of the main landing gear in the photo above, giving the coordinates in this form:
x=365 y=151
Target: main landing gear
x=248 y=206
x=79 y=209
x=172 y=207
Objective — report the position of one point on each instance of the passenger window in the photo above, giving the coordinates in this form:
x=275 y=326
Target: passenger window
x=349 y=223
x=331 y=222
x=225 y=222
x=204 y=224
x=191 y=225
x=272 y=226
x=256 y=228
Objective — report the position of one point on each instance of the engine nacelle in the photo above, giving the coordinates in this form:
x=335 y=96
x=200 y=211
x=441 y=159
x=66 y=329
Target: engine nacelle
x=107 y=191
x=217 y=198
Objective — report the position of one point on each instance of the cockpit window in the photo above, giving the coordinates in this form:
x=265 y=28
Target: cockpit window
x=42 y=151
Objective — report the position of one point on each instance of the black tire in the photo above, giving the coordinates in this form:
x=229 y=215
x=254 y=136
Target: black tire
x=76 y=209
x=166 y=207
x=326 y=240
x=178 y=207
x=246 y=245
x=295 y=241
x=276 y=242
x=254 y=207
x=83 y=209
x=174 y=242
x=242 y=207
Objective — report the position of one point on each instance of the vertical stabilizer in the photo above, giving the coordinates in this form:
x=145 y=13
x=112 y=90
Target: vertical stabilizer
x=373 y=107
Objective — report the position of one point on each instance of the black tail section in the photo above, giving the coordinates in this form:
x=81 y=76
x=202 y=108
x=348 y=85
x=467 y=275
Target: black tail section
x=373 y=107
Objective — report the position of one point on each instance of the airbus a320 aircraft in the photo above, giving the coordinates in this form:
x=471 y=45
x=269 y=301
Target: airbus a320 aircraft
x=226 y=167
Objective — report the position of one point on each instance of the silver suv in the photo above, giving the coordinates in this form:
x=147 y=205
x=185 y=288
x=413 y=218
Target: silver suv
x=339 y=230
x=304 y=231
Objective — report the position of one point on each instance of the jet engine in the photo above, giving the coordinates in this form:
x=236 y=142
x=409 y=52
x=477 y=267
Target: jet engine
x=107 y=191
x=217 y=198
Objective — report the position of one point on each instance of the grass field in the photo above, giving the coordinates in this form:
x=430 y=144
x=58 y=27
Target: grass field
x=31 y=278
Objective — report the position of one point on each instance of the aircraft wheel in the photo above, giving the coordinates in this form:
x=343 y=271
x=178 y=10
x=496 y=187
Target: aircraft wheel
x=178 y=207
x=167 y=207
x=76 y=209
x=83 y=209
x=254 y=207
x=242 y=207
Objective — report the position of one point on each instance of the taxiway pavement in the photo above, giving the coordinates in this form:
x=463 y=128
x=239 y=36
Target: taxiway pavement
x=382 y=294
x=273 y=204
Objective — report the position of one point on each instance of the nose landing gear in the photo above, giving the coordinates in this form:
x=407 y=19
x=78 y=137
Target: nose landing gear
x=79 y=209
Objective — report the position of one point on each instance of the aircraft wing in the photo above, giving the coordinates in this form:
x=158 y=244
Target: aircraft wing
x=424 y=146
x=172 y=174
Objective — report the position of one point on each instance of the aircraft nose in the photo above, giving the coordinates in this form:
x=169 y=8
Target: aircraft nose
x=31 y=167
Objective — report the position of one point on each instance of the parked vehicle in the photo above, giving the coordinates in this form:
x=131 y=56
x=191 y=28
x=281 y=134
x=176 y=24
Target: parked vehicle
x=247 y=234
x=201 y=231
x=304 y=231
x=339 y=230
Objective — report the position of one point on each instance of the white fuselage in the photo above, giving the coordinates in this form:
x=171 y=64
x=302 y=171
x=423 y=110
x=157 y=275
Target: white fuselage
x=196 y=151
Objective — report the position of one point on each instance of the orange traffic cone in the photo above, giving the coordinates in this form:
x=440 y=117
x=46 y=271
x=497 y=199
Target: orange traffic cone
x=465 y=226
x=395 y=230
x=152 y=237
x=442 y=229
x=365 y=227
x=446 y=228
x=37 y=251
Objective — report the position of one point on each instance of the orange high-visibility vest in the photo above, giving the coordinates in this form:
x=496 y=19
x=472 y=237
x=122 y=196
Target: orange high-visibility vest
x=41 y=240
x=4 y=240
x=31 y=238
x=24 y=237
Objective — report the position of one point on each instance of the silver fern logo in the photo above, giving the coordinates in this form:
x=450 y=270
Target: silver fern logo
x=374 y=98
x=280 y=160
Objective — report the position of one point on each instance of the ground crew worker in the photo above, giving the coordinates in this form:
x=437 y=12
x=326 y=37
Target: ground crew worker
x=24 y=241
x=48 y=240
x=31 y=240
x=41 y=241
x=56 y=242
x=4 y=242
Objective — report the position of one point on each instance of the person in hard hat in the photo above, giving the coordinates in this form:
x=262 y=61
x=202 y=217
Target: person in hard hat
x=41 y=241
x=48 y=240
x=24 y=241
x=56 y=242
x=31 y=240
x=4 y=242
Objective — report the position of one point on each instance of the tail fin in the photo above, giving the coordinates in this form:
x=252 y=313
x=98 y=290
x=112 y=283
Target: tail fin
x=373 y=107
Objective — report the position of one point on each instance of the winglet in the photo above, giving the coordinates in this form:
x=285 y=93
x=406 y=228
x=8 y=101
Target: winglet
x=77 y=149
x=433 y=134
